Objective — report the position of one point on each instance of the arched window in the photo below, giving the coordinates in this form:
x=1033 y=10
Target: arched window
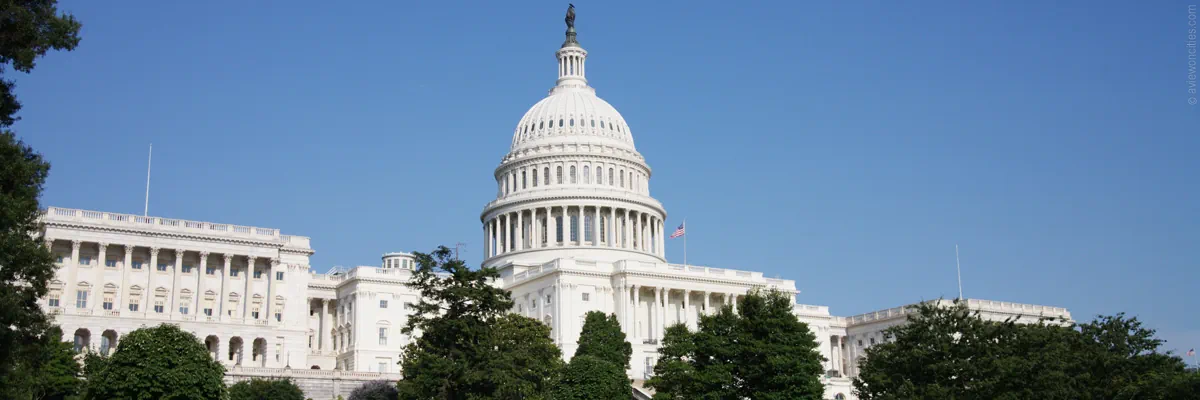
x=601 y=124
x=572 y=174
x=587 y=176
x=572 y=121
x=535 y=174
x=622 y=178
x=558 y=223
x=593 y=123
x=523 y=182
x=558 y=175
x=599 y=175
x=542 y=125
x=546 y=177
x=560 y=123
x=588 y=223
x=610 y=177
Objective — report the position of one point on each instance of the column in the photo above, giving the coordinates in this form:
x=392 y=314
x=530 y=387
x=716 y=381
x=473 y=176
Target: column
x=658 y=237
x=123 y=291
x=644 y=225
x=637 y=307
x=323 y=335
x=508 y=242
x=487 y=243
x=176 y=286
x=248 y=295
x=659 y=312
x=520 y=230
x=149 y=293
x=733 y=301
x=533 y=227
x=596 y=227
x=98 y=284
x=570 y=227
x=627 y=230
x=223 y=295
x=612 y=224
x=687 y=312
x=71 y=285
x=269 y=304
x=200 y=286
x=707 y=308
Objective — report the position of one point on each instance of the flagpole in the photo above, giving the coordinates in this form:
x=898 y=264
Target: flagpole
x=685 y=242
x=958 y=266
x=149 y=157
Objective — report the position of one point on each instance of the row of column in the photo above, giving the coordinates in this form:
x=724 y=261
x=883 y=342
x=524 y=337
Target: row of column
x=325 y=327
x=656 y=310
x=223 y=288
x=573 y=226
x=571 y=65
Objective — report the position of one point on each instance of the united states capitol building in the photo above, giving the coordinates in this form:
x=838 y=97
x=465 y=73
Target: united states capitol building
x=573 y=229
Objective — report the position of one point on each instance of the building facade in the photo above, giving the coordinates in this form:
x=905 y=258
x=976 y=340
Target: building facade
x=573 y=229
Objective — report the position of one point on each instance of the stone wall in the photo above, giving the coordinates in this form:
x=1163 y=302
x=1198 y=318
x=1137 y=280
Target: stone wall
x=317 y=384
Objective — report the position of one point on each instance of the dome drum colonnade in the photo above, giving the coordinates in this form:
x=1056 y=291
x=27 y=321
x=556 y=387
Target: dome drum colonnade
x=573 y=179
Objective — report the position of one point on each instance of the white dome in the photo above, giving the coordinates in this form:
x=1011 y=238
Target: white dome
x=572 y=115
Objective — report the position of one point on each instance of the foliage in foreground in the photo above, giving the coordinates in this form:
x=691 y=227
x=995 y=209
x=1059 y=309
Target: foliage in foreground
x=265 y=389
x=45 y=369
x=952 y=353
x=375 y=390
x=761 y=352
x=162 y=362
x=469 y=346
x=597 y=371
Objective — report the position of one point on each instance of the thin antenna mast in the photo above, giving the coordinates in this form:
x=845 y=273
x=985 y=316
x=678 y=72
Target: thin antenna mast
x=958 y=266
x=456 y=246
x=146 y=210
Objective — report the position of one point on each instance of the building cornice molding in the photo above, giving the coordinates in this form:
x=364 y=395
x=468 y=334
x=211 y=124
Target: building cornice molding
x=507 y=165
x=173 y=235
x=498 y=205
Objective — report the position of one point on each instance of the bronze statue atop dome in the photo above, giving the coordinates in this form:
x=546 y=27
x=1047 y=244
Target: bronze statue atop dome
x=570 y=16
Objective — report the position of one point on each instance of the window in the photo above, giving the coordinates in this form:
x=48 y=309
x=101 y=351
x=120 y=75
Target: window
x=860 y=343
x=53 y=302
x=558 y=175
x=254 y=313
x=572 y=121
x=158 y=306
x=59 y=259
x=110 y=263
x=558 y=222
x=208 y=312
x=85 y=260
x=603 y=228
x=587 y=297
x=133 y=306
x=587 y=174
x=535 y=174
x=872 y=341
x=258 y=274
x=210 y=271
x=523 y=177
x=601 y=123
x=572 y=174
x=408 y=306
x=546 y=177
x=548 y=298
x=162 y=267
x=187 y=269
x=588 y=224
x=610 y=177
x=183 y=309
x=574 y=228
x=560 y=122
x=108 y=304
x=622 y=178
x=279 y=275
x=137 y=265
x=383 y=366
x=593 y=123
x=383 y=304
x=278 y=317
x=599 y=176
x=81 y=299
x=382 y=336
x=233 y=273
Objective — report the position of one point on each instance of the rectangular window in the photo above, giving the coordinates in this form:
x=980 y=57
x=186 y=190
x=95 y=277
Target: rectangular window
x=53 y=300
x=383 y=304
x=208 y=312
x=183 y=310
x=558 y=230
x=162 y=267
x=81 y=299
x=383 y=336
x=110 y=263
x=158 y=307
x=383 y=366
x=574 y=228
x=587 y=297
x=278 y=317
x=279 y=275
x=258 y=274
x=59 y=259
x=85 y=260
x=187 y=269
x=254 y=314
x=133 y=306
x=210 y=270
x=233 y=273
x=107 y=304
x=137 y=265
x=587 y=228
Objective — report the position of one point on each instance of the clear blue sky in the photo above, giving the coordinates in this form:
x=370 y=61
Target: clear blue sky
x=845 y=146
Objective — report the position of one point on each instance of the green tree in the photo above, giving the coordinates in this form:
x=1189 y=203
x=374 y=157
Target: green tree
x=601 y=337
x=28 y=29
x=162 y=362
x=950 y=352
x=467 y=347
x=43 y=370
x=375 y=390
x=761 y=352
x=265 y=389
x=597 y=370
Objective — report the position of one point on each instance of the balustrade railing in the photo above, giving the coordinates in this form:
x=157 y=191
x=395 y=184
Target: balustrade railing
x=107 y=218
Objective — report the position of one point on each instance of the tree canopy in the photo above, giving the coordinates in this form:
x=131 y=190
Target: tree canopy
x=43 y=370
x=375 y=390
x=468 y=347
x=597 y=371
x=162 y=362
x=950 y=352
x=265 y=389
x=761 y=352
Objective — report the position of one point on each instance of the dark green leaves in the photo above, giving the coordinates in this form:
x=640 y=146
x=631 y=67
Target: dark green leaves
x=163 y=362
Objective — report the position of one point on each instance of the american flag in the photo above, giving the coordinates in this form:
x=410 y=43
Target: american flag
x=678 y=231
x=1191 y=353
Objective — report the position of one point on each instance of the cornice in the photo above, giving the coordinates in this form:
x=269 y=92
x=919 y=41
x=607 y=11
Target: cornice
x=500 y=203
x=174 y=235
x=567 y=156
